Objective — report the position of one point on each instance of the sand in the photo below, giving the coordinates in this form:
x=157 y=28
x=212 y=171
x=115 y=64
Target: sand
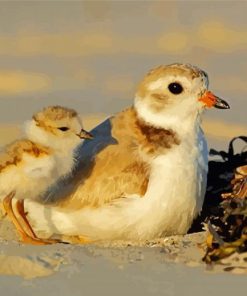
x=167 y=266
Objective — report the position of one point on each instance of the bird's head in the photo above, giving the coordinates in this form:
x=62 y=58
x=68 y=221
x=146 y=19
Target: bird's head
x=176 y=91
x=57 y=126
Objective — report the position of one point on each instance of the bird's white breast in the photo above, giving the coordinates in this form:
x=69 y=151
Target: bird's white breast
x=176 y=188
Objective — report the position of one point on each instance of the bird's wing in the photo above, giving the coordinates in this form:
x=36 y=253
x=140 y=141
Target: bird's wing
x=38 y=167
x=23 y=154
x=109 y=167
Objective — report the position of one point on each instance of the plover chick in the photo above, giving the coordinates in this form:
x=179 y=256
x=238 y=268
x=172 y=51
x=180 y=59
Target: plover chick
x=29 y=166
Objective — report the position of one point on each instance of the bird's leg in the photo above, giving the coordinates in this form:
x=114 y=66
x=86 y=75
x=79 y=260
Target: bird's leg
x=31 y=234
x=84 y=240
x=30 y=237
x=7 y=203
x=77 y=239
x=21 y=211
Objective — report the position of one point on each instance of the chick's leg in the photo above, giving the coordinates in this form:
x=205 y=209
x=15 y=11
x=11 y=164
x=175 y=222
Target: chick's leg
x=29 y=237
x=21 y=212
x=75 y=239
x=32 y=237
x=65 y=239
x=7 y=204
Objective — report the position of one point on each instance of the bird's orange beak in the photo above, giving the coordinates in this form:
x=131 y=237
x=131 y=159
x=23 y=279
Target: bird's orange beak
x=210 y=100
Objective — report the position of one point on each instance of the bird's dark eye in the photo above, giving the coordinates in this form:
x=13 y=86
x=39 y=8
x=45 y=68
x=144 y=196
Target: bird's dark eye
x=63 y=128
x=175 y=88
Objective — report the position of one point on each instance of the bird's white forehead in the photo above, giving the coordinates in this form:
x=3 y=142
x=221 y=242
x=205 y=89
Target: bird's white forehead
x=189 y=84
x=163 y=82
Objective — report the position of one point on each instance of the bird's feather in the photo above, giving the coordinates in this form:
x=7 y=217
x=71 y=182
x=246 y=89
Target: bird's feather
x=42 y=167
x=109 y=166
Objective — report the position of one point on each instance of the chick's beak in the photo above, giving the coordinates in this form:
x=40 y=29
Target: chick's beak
x=85 y=135
x=210 y=100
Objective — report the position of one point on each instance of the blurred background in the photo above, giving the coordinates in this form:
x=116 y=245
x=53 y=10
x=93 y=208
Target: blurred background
x=90 y=55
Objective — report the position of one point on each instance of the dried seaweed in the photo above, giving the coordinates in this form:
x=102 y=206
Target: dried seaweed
x=227 y=231
x=225 y=209
x=221 y=172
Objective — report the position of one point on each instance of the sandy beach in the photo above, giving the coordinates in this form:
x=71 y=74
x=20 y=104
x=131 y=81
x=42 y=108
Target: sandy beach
x=169 y=266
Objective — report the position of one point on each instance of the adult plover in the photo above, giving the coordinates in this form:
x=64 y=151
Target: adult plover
x=147 y=176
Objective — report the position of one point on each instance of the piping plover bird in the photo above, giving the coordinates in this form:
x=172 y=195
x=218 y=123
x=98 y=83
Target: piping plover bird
x=30 y=166
x=144 y=174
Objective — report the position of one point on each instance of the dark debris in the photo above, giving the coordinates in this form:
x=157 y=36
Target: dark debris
x=225 y=209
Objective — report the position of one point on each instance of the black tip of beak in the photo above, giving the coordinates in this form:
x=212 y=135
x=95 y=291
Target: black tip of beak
x=221 y=104
x=85 y=135
x=89 y=136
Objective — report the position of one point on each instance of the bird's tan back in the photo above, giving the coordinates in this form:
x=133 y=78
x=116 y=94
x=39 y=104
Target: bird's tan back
x=13 y=153
x=116 y=170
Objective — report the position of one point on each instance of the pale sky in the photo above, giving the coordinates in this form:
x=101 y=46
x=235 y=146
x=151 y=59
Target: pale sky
x=91 y=55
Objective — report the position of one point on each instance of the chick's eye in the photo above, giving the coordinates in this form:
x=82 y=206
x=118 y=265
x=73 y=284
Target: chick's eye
x=175 y=88
x=63 y=128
